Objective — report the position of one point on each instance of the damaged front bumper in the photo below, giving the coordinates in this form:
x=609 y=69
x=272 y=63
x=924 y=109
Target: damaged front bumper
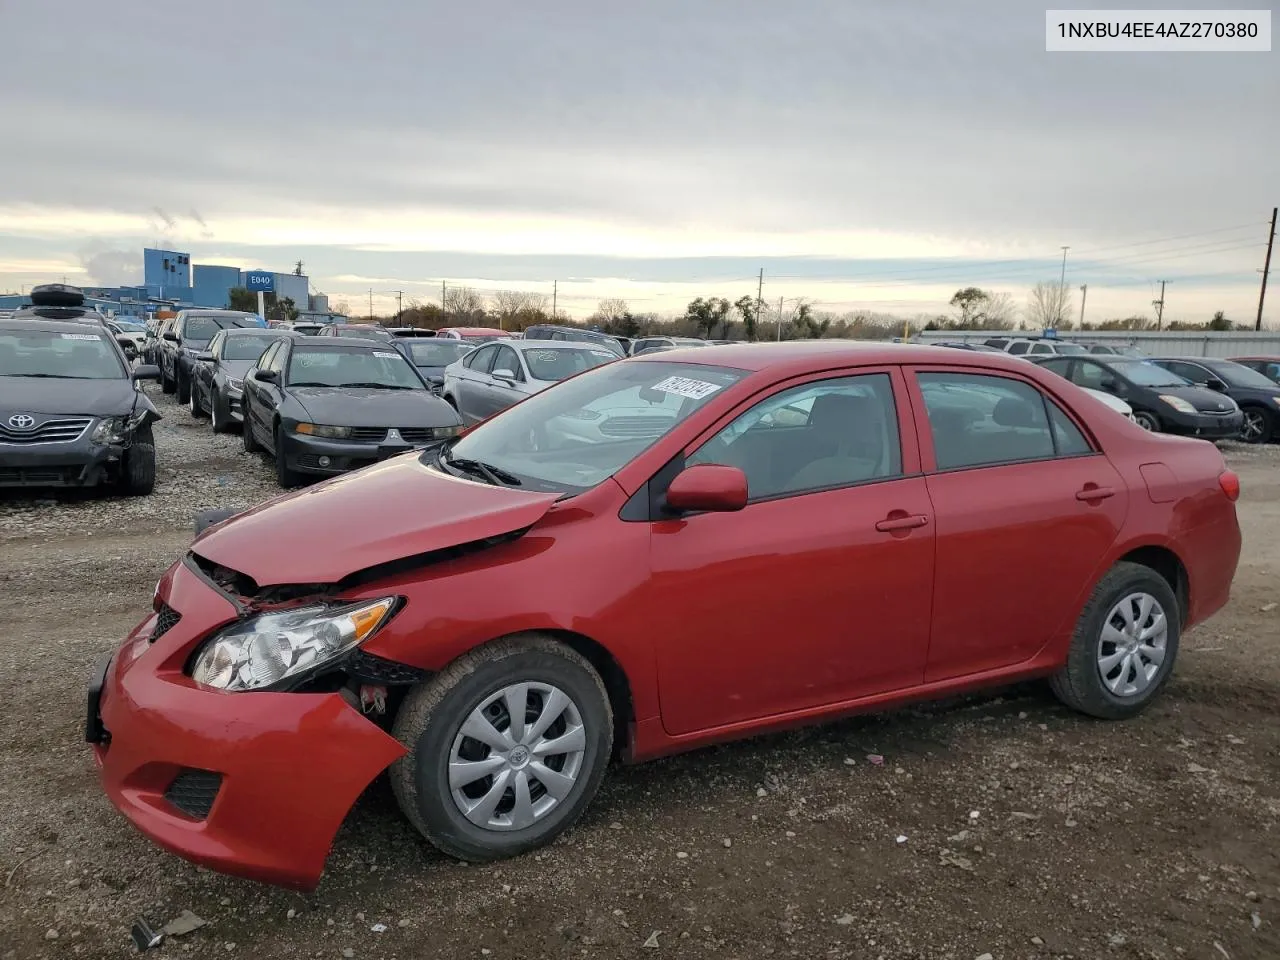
x=252 y=784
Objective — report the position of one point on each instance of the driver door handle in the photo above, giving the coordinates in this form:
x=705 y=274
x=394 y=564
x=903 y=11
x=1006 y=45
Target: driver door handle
x=908 y=522
x=1091 y=493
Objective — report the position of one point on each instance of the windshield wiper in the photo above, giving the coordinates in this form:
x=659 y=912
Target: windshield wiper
x=47 y=376
x=308 y=383
x=494 y=476
x=378 y=386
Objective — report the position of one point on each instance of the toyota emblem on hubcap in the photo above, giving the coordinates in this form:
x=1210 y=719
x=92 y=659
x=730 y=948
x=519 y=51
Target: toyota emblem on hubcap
x=21 y=421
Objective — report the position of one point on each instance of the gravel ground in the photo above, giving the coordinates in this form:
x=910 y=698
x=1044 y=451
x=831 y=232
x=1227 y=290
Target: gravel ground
x=997 y=825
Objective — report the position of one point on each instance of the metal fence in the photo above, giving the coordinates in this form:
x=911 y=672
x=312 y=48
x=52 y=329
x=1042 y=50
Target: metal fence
x=1165 y=343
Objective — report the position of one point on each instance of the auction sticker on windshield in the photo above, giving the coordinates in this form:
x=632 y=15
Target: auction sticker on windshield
x=386 y=356
x=687 y=387
x=80 y=336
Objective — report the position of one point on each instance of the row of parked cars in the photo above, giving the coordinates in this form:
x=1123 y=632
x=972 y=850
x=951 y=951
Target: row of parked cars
x=1207 y=397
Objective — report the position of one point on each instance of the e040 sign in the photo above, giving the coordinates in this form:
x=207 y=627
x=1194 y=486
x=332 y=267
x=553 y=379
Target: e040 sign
x=260 y=281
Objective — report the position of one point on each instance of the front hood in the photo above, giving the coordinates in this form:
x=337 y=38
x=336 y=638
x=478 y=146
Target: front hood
x=396 y=509
x=239 y=369
x=1204 y=400
x=98 y=398
x=365 y=407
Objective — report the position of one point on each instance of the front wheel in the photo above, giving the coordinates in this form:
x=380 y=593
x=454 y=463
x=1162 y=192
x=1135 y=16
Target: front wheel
x=1147 y=421
x=1258 y=425
x=138 y=466
x=197 y=411
x=249 y=441
x=183 y=386
x=507 y=746
x=217 y=413
x=1124 y=645
x=285 y=476
x=166 y=382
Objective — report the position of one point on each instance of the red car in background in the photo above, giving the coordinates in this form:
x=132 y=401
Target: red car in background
x=654 y=555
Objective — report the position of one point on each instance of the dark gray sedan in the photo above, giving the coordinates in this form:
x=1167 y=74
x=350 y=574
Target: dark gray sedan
x=217 y=377
x=497 y=375
x=325 y=405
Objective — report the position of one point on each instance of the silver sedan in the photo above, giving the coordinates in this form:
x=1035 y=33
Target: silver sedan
x=497 y=375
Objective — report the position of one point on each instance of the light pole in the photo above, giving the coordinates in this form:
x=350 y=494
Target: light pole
x=1062 y=286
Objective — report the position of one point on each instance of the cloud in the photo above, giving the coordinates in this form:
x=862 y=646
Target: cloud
x=111 y=267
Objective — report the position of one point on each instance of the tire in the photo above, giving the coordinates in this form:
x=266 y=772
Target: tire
x=184 y=386
x=197 y=411
x=285 y=476
x=221 y=419
x=1259 y=425
x=247 y=438
x=138 y=467
x=1147 y=420
x=1086 y=683
x=166 y=384
x=429 y=725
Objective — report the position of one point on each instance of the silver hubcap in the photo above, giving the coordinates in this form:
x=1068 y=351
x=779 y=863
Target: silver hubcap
x=1132 y=646
x=1252 y=428
x=517 y=756
x=1144 y=421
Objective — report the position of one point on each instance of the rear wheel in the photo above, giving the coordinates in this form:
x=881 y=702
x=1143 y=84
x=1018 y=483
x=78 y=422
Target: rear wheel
x=1258 y=425
x=1124 y=645
x=1146 y=420
x=507 y=746
x=138 y=466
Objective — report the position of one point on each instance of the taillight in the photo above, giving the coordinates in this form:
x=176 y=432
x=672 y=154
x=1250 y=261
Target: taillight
x=1230 y=484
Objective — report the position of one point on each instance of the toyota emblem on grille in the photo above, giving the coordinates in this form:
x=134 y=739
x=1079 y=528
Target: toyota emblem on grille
x=22 y=421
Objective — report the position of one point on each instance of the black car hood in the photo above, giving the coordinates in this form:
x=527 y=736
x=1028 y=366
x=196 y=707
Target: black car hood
x=1202 y=398
x=98 y=398
x=368 y=407
x=239 y=369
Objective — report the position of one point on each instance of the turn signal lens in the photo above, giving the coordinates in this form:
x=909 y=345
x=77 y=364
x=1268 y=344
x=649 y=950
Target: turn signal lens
x=1230 y=484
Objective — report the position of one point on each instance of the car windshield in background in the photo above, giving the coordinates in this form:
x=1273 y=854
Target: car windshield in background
x=127 y=327
x=245 y=347
x=1072 y=348
x=430 y=352
x=1146 y=374
x=352 y=367
x=570 y=437
x=560 y=363
x=77 y=356
x=1238 y=375
x=204 y=327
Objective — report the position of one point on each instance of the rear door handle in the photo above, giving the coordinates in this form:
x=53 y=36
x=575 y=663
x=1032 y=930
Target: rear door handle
x=1090 y=493
x=902 y=523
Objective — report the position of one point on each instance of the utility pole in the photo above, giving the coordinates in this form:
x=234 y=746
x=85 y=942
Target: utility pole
x=1062 y=286
x=760 y=298
x=443 y=283
x=555 y=290
x=371 y=304
x=1159 y=305
x=1266 y=268
x=779 y=319
x=399 y=306
x=1084 y=293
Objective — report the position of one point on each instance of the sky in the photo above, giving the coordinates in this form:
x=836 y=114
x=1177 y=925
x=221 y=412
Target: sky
x=866 y=156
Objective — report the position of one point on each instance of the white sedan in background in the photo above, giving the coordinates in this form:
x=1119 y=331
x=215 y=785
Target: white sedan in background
x=496 y=375
x=1112 y=401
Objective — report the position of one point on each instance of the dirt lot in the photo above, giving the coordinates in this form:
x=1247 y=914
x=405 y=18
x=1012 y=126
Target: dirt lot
x=998 y=825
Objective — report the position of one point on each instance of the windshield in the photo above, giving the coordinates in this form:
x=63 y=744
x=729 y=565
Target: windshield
x=1148 y=374
x=245 y=347
x=127 y=327
x=572 y=436
x=351 y=367
x=203 y=327
x=430 y=352
x=80 y=356
x=1238 y=375
x=559 y=363
x=1071 y=348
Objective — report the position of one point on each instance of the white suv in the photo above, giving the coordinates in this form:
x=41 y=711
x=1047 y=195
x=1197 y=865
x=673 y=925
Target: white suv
x=1024 y=346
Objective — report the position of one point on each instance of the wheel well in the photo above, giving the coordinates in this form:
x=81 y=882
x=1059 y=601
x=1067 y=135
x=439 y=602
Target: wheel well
x=615 y=680
x=1166 y=563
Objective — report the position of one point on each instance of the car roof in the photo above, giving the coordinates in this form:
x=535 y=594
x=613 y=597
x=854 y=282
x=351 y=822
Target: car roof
x=212 y=312
x=22 y=324
x=794 y=357
x=326 y=343
x=552 y=345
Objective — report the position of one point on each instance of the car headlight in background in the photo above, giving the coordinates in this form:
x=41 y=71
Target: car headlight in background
x=110 y=430
x=444 y=433
x=234 y=384
x=320 y=430
x=265 y=649
x=1182 y=406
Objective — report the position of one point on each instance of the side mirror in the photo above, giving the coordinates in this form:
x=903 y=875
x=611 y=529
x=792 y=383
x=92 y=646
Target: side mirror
x=1109 y=385
x=206 y=356
x=505 y=374
x=708 y=487
x=146 y=372
x=266 y=376
x=1216 y=384
x=171 y=336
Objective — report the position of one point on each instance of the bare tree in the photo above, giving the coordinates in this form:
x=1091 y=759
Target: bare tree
x=612 y=310
x=342 y=308
x=1049 y=305
x=463 y=305
x=999 y=312
x=512 y=306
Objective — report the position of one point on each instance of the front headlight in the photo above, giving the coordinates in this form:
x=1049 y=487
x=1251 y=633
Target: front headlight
x=110 y=430
x=320 y=430
x=1182 y=406
x=263 y=650
x=234 y=384
x=1276 y=401
x=444 y=433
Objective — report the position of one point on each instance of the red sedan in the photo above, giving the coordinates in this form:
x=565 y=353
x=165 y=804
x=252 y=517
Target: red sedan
x=655 y=555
